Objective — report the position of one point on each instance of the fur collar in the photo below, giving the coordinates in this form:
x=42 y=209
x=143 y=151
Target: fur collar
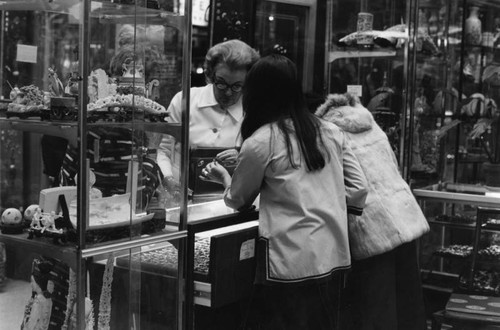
x=347 y=112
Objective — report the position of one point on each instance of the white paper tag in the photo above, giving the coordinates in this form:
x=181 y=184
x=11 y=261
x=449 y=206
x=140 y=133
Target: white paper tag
x=355 y=90
x=247 y=249
x=26 y=53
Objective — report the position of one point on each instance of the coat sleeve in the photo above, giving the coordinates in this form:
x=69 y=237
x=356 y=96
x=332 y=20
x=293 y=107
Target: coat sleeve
x=354 y=180
x=248 y=175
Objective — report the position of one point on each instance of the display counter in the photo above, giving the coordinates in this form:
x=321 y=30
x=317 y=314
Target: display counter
x=219 y=275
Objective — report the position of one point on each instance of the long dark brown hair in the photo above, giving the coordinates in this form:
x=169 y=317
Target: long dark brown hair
x=273 y=94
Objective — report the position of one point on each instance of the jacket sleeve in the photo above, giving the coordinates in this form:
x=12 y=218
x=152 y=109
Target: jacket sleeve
x=355 y=181
x=248 y=175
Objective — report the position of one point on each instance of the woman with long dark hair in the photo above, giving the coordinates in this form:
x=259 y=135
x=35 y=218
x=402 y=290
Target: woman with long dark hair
x=308 y=180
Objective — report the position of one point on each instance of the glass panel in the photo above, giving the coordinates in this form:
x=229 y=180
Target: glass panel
x=367 y=58
x=135 y=288
x=456 y=94
x=85 y=87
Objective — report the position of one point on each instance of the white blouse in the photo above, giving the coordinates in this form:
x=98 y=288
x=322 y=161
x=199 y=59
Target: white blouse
x=209 y=126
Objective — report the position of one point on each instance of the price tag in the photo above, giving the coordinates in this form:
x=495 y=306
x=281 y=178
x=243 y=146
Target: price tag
x=26 y=53
x=356 y=90
x=247 y=249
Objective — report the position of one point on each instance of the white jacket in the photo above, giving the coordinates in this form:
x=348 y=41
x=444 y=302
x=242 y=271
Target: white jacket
x=302 y=214
x=391 y=216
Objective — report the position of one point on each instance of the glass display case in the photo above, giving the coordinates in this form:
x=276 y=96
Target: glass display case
x=367 y=57
x=454 y=96
x=85 y=87
x=450 y=153
x=460 y=253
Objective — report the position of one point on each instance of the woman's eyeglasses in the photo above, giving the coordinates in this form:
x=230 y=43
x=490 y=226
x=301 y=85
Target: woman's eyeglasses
x=222 y=85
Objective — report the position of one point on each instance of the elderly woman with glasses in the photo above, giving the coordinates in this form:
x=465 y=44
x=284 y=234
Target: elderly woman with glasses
x=216 y=112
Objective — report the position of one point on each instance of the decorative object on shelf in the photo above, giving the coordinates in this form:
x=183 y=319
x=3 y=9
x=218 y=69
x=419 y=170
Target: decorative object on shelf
x=93 y=192
x=111 y=101
x=72 y=85
x=70 y=299
x=491 y=75
x=38 y=311
x=478 y=106
x=70 y=312
x=426 y=44
x=487 y=130
x=456 y=250
x=30 y=212
x=55 y=85
x=105 y=298
x=393 y=36
x=11 y=221
x=423 y=23
x=487 y=39
x=165 y=261
x=473 y=27
x=433 y=23
x=49 y=279
x=28 y=102
x=365 y=23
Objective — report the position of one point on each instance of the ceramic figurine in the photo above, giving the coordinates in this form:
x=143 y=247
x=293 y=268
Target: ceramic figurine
x=473 y=27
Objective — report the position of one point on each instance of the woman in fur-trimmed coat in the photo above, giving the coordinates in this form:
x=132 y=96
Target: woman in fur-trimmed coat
x=384 y=288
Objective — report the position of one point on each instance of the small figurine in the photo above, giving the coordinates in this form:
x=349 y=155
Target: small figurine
x=93 y=192
x=35 y=220
x=55 y=85
x=14 y=92
x=49 y=224
x=72 y=85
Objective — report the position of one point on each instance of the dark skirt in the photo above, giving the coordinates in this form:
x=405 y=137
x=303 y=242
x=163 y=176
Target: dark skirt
x=312 y=305
x=384 y=292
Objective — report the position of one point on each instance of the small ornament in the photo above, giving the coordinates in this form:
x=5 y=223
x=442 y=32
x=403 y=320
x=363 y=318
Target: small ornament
x=11 y=221
x=473 y=27
x=30 y=212
x=11 y=216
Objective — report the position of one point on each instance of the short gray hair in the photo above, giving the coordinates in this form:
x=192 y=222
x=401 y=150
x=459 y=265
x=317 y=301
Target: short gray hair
x=234 y=53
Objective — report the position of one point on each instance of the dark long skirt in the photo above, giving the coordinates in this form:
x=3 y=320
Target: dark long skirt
x=311 y=306
x=384 y=292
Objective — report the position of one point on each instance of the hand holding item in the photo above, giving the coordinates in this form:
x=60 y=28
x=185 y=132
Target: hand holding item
x=215 y=172
x=173 y=191
x=227 y=157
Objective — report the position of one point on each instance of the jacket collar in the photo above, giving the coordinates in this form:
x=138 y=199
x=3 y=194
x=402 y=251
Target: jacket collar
x=207 y=100
x=346 y=112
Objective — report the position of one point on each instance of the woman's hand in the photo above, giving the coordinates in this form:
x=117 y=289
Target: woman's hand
x=227 y=157
x=215 y=172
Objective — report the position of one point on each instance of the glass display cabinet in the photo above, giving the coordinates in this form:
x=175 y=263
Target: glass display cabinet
x=85 y=87
x=367 y=55
x=450 y=152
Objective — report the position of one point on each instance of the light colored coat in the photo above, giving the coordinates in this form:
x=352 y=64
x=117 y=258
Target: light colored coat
x=302 y=214
x=391 y=216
